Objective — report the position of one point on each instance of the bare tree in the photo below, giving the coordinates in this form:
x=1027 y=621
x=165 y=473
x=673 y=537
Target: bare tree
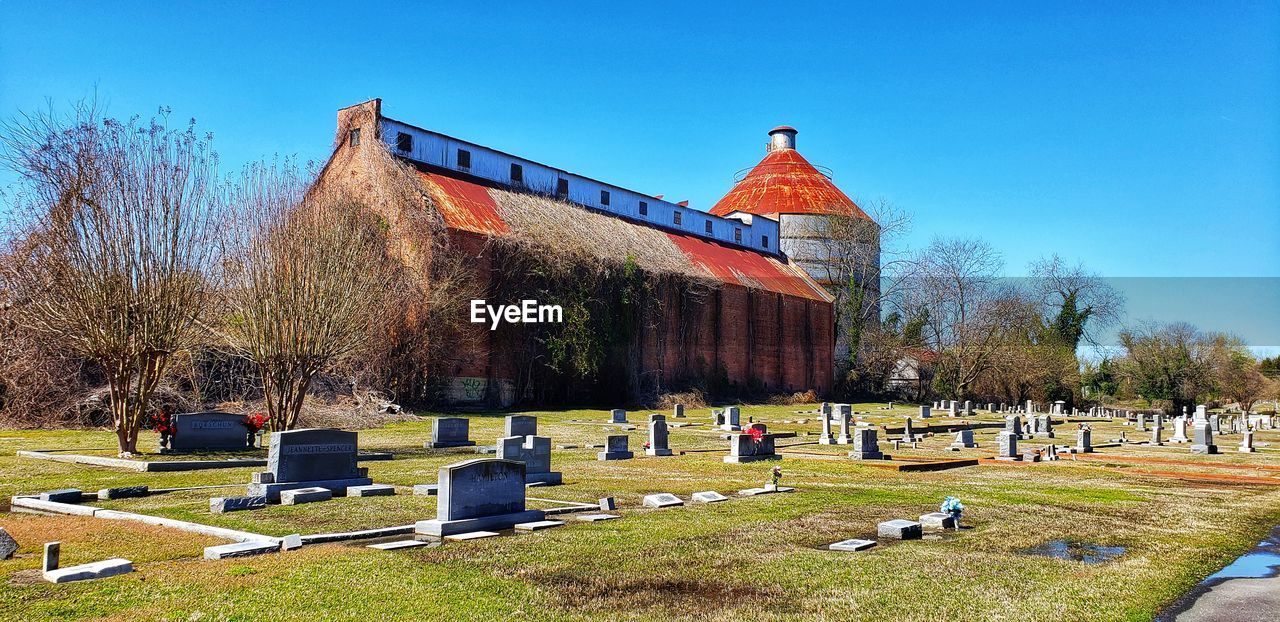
x=1077 y=303
x=307 y=279
x=851 y=255
x=968 y=310
x=111 y=247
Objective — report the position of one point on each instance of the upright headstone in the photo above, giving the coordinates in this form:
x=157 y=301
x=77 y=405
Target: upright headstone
x=825 y=437
x=209 y=431
x=677 y=411
x=310 y=458
x=1084 y=441
x=1246 y=442
x=968 y=408
x=618 y=415
x=951 y=409
x=480 y=494
x=616 y=448
x=1156 y=430
x=865 y=446
x=925 y=412
x=732 y=419
x=843 y=414
x=658 y=436
x=1141 y=424
x=450 y=432
x=52 y=556
x=908 y=435
x=1203 y=439
x=1179 y=430
x=1044 y=428
x=754 y=444
x=1013 y=424
x=1008 y=443
x=964 y=440
x=1215 y=422
x=520 y=425
x=1202 y=414
x=535 y=453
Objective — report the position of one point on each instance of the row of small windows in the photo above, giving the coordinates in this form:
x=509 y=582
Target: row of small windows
x=404 y=142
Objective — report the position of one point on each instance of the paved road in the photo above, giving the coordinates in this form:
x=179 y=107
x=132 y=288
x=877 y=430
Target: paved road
x=1233 y=600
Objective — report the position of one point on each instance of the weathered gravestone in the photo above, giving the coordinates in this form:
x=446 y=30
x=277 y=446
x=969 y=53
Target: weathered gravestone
x=618 y=415
x=925 y=412
x=753 y=445
x=450 y=432
x=1084 y=441
x=1008 y=442
x=479 y=494
x=1204 y=439
x=661 y=500
x=520 y=425
x=535 y=453
x=1013 y=424
x=1179 y=430
x=732 y=419
x=1246 y=442
x=8 y=546
x=825 y=437
x=865 y=446
x=964 y=440
x=844 y=412
x=208 y=432
x=677 y=411
x=315 y=457
x=1044 y=427
x=658 y=437
x=709 y=496
x=616 y=448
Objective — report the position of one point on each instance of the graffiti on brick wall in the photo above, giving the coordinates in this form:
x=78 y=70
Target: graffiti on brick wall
x=475 y=389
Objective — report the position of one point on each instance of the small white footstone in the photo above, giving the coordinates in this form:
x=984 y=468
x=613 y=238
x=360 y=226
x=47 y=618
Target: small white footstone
x=471 y=535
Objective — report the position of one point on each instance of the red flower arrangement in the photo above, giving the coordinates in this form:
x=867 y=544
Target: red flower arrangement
x=162 y=423
x=255 y=422
x=757 y=434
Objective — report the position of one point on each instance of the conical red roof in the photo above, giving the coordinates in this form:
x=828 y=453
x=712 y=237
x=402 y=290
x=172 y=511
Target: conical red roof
x=786 y=183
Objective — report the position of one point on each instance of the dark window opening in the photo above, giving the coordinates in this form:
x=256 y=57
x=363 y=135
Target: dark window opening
x=708 y=227
x=404 y=142
x=764 y=241
x=604 y=197
x=644 y=208
x=562 y=188
x=464 y=158
x=737 y=235
x=353 y=137
x=517 y=173
x=676 y=217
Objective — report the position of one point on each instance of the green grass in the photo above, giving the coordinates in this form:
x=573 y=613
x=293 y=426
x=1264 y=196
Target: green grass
x=757 y=558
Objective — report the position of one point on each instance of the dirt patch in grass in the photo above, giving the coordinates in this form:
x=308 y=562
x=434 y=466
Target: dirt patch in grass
x=26 y=578
x=653 y=593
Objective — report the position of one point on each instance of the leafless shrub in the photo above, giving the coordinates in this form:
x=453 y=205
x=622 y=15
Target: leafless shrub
x=112 y=245
x=792 y=399
x=307 y=279
x=691 y=399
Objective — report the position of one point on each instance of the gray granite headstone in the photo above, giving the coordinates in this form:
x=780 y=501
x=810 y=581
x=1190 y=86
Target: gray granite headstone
x=8 y=546
x=658 y=437
x=520 y=425
x=535 y=453
x=480 y=487
x=824 y=437
x=746 y=447
x=1204 y=439
x=1084 y=441
x=617 y=447
x=1008 y=442
x=312 y=455
x=865 y=445
x=450 y=432
x=618 y=415
x=209 y=431
x=964 y=440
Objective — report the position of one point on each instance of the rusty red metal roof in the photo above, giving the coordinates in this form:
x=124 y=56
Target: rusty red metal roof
x=471 y=207
x=463 y=205
x=747 y=268
x=786 y=183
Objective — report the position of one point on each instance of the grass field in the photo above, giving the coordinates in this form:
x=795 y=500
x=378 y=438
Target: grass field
x=1178 y=516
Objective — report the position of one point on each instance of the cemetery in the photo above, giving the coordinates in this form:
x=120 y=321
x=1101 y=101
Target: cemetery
x=1018 y=485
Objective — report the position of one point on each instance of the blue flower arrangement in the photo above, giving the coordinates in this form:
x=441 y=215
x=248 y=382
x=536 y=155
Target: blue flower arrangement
x=952 y=506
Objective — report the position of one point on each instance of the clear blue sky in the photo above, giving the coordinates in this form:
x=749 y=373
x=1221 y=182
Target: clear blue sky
x=1143 y=139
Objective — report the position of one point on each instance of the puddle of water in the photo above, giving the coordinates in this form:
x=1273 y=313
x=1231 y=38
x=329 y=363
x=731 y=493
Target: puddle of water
x=1262 y=562
x=1086 y=552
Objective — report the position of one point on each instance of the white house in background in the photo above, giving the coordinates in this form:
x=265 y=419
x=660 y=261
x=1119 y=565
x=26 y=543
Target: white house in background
x=913 y=372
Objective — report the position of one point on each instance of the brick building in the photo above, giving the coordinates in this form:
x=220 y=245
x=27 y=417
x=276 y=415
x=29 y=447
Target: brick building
x=721 y=300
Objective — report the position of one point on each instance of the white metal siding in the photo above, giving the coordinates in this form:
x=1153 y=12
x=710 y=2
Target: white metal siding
x=442 y=151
